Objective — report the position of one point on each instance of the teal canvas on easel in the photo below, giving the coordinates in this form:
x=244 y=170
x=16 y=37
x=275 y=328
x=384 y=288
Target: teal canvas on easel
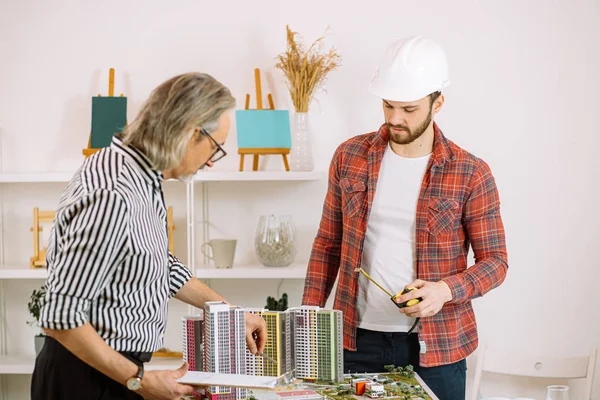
x=109 y=116
x=263 y=129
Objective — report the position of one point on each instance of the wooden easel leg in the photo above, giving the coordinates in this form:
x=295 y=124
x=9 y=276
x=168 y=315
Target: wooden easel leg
x=241 y=162
x=285 y=162
x=255 y=163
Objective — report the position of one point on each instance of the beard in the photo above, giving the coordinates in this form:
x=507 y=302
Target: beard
x=186 y=178
x=411 y=134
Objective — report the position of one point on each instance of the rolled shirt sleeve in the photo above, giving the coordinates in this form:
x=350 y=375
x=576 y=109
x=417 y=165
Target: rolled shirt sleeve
x=179 y=275
x=90 y=240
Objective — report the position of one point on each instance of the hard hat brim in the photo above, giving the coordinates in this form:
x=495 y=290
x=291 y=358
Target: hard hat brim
x=404 y=95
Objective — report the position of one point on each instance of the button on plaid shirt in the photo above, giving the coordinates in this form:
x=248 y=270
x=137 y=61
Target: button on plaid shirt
x=458 y=207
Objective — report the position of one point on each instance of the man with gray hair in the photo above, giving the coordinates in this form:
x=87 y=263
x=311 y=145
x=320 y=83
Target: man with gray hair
x=110 y=273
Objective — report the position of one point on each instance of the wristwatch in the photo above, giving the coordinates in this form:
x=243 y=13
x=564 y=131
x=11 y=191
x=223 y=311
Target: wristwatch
x=135 y=382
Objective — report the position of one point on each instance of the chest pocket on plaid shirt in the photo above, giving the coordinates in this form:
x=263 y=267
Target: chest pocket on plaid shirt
x=353 y=196
x=441 y=215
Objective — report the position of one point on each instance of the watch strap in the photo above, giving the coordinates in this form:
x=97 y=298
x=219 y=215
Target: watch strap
x=140 y=372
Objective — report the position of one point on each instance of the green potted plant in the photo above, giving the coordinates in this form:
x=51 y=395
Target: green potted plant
x=277 y=305
x=35 y=306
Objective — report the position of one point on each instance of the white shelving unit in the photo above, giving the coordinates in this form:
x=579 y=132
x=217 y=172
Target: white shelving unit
x=22 y=273
x=11 y=364
x=23 y=364
x=294 y=271
x=208 y=176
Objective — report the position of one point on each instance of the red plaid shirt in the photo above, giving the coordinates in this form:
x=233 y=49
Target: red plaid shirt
x=458 y=207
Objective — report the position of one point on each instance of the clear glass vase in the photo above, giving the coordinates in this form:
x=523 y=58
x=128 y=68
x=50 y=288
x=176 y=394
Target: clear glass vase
x=301 y=154
x=557 y=392
x=275 y=240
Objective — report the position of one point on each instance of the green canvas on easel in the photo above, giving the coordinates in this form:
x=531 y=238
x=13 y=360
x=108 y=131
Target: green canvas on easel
x=263 y=129
x=109 y=116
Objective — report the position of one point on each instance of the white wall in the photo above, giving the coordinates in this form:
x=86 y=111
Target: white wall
x=523 y=97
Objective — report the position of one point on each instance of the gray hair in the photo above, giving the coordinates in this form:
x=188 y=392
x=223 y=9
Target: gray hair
x=174 y=109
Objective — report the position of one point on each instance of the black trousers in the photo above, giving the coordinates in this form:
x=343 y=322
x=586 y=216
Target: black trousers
x=60 y=375
x=374 y=350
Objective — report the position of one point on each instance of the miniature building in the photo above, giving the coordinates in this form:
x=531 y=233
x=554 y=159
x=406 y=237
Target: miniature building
x=193 y=341
x=374 y=390
x=330 y=346
x=359 y=385
x=278 y=347
x=318 y=346
x=307 y=339
x=224 y=346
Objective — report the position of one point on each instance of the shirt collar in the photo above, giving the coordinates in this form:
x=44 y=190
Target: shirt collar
x=441 y=148
x=138 y=160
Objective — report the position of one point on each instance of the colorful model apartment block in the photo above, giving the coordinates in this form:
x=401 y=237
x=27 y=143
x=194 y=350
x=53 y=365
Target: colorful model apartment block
x=193 y=341
x=279 y=349
x=224 y=346
x=318 y=343
x=306 y=340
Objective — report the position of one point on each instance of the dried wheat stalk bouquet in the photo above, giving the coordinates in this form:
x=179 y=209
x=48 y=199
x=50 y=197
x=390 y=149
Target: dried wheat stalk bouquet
x=304 y=69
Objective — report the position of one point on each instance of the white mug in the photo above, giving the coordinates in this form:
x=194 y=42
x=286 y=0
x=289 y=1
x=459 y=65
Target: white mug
x=223 y=252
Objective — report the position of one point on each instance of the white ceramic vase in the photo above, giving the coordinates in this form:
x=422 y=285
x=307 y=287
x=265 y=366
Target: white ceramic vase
x=301 y=153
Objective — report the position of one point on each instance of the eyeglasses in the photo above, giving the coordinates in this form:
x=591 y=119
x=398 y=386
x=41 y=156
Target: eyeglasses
x=218 y=153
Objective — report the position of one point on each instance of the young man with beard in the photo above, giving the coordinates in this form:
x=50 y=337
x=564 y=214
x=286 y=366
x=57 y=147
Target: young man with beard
x=404 y=204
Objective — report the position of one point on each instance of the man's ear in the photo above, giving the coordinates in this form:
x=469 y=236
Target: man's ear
x=438 y=104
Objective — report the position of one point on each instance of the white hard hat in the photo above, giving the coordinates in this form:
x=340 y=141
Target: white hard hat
x=410 y=69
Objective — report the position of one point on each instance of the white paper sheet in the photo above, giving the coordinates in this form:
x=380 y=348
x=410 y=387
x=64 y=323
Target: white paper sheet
x=197 y=378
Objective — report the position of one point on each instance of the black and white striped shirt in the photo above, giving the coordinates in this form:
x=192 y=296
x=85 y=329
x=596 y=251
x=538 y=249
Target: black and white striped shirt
x=108 y=258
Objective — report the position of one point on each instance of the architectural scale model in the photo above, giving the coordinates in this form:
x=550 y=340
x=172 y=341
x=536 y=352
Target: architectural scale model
x=305 y=341
x=399 y=383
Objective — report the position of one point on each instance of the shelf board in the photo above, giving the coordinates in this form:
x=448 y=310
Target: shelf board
x=294 y=271
x=36 y=177
x=13 y=364
x=210 y=176
x=23 y=273
x=203 y=176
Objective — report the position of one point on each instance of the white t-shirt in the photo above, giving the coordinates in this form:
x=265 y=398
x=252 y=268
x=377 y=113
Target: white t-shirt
x=389 y=247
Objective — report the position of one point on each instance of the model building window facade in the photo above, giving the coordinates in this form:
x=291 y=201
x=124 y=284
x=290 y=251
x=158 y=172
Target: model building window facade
x=324 y=346
x=193 y=341
x=317 y=343
x=276 y=347
x=225 y=346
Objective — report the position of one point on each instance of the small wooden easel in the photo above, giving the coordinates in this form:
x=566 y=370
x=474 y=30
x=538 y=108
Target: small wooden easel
x=261 y=151
x=170 y=229
x=39 y=254
x=111 y=92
